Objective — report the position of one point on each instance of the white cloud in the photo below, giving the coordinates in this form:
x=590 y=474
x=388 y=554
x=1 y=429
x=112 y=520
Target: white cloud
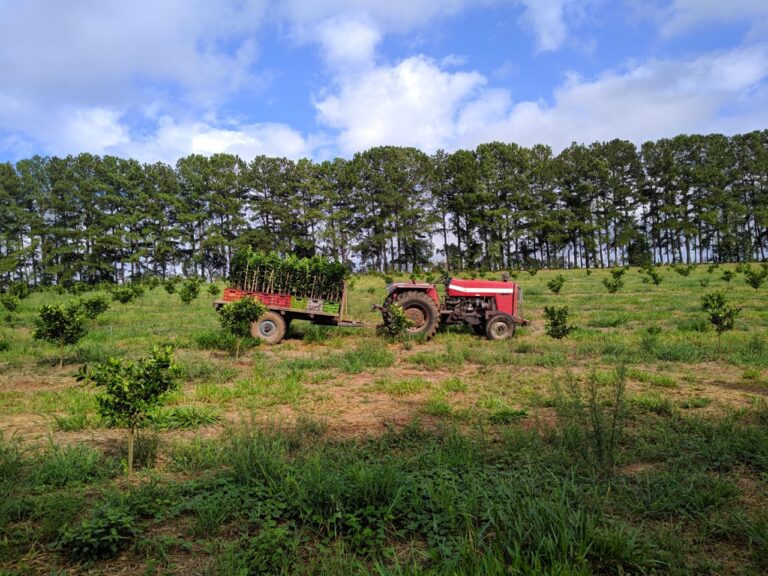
x=95 y=129
x=417 y=103
x=682 y=15
x=172 y=140
x=390 y=15
x=413 y=103
x=100 y=52
x=546 y=18
x=63 y=129
x=715 y=92
x=347 y=42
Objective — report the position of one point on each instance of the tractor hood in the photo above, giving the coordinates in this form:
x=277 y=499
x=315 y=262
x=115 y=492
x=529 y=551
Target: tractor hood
x=458 y=287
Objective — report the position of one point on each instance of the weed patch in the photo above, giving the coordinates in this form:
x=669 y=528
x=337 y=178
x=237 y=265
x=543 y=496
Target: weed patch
x=401 y=387
x=365 y=357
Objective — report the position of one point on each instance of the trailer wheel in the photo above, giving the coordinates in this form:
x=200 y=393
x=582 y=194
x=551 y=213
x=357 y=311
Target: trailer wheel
x=500 y=327
x=269 y=328
x=422 y=311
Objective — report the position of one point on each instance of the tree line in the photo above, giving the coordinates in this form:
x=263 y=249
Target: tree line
x=687 y=199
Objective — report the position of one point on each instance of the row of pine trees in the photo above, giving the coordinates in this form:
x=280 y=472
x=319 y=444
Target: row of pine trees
x=687 y=199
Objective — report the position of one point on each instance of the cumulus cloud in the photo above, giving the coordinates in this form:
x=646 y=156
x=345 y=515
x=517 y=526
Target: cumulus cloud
x=546 y=19
x=347 y=42
x=148 y=79
x=645 y=101
x=172 y=139
x=682 y=15
x=104 y=52
x=390 y=16
x=413 y=103
x=417 y=103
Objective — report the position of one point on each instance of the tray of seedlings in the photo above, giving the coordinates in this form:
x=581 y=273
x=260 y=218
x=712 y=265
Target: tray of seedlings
x=314 y=284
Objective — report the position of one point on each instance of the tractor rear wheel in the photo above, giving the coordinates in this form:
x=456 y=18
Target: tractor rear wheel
x=500 y=327
x=422 y=311
x=269 y=328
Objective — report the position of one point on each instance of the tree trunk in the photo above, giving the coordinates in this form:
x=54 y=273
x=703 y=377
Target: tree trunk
x=131 y=433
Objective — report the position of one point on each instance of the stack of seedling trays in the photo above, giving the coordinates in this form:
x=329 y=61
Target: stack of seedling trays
x=331 y=307
x=311 y=284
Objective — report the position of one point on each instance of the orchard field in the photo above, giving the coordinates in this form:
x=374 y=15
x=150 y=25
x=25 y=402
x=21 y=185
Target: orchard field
x=637 y=444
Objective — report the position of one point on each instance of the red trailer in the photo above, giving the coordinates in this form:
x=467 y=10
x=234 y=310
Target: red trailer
x=284 y=308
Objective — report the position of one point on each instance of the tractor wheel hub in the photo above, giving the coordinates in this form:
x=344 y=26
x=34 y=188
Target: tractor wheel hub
x=416 y=317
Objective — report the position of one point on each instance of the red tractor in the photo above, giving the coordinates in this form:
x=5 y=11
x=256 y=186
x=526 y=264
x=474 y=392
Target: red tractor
x=490 y=307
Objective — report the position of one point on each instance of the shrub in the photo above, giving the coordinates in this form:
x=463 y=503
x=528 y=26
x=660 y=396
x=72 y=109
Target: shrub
x=556 y=284
x=237 y=317
x=397 y=322
x=189 y=290
x=132 y=390
x=727 y=275
x=102 y=536
x=592 y=417
x=94 y=306
x=684 y=270
x=721 y=315
x=124 y=294
x=62 y=325
x=756 y=277
x=652 y=276
x=613 y=284
x=169 y=285
x=213 y=290
x=557 y=321
x=9 y=301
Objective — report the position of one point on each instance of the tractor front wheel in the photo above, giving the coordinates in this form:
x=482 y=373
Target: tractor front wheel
x=269 y=328
x=500 y=327
x=422 y=311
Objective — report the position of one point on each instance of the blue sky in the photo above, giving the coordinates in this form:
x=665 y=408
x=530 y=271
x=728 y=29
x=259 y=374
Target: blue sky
x=160 y=79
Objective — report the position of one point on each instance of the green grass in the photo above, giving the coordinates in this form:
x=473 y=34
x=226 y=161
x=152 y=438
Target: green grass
x=400 y=387
x=184 y=417
x=263 y=497
x=517 y=466
x=661 y=380
x=609 y=319
x=59 y=466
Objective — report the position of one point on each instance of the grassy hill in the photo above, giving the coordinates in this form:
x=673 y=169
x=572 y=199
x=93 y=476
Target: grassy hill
x=637 y=444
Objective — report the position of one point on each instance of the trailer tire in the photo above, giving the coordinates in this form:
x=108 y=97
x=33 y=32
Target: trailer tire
x=269 y=328
x=422 y=310
x=500 y=327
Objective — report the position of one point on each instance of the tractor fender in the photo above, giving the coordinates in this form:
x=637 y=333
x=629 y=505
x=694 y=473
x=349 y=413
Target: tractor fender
x=398 y=287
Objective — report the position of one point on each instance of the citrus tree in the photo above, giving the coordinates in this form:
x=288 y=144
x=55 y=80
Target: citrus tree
x=237 y=317
x=722 y=316
x=130 y=390
x=60 y=325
